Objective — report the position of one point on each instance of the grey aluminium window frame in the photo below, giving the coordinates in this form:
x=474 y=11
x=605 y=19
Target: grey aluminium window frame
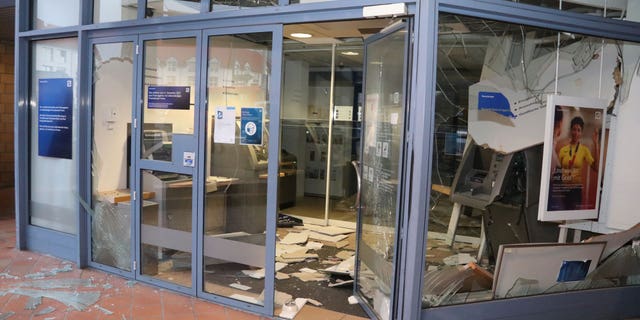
x=590 y=304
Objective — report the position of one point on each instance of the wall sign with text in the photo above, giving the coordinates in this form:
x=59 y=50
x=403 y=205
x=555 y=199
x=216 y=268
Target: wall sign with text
x=169 y=97
x=55 y=117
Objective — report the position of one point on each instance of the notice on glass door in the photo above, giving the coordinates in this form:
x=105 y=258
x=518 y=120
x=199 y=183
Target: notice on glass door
x=169 y=97
x=55 y=116
x=224 y=125
x=251 y=125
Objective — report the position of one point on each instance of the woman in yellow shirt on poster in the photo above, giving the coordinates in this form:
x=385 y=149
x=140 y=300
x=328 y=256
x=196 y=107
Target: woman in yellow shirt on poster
x=572 y=158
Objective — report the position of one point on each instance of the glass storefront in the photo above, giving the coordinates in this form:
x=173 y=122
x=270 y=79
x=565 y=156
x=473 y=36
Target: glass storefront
x=488 y=160
x=169 y=129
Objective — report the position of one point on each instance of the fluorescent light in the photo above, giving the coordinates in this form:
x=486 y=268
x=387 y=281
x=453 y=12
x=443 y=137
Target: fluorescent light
x=301 y=35
x=349 y=53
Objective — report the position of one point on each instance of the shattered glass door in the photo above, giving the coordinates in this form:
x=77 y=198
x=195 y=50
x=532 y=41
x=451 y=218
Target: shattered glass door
x=385 y=76
x=112 y=100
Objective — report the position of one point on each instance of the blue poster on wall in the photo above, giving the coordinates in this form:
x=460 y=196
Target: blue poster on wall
x=251 y=126
x=55 y=116
x=169 y=97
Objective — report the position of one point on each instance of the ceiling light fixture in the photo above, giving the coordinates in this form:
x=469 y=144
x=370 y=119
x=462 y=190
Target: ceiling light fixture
x=349 y=53
x=301 y=35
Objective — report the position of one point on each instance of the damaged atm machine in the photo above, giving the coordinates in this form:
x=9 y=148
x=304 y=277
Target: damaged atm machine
x=501 y=170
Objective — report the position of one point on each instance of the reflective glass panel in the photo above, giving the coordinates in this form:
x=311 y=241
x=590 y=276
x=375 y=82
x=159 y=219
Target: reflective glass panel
x=166 y=226
x=109 y=10
x=238 y=73
x=383 y=134
x=492 y=133
x=169 y=82
x=603 y=8
x=112 y=99
x=167 y=8
x=54 y=134
x=48 y=14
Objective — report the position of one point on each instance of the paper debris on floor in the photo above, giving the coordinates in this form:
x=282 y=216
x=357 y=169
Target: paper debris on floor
x=323 y=237
x=342 y=244
x=280 y=298
x=288 y=313
x=295 y=238
x=239 y=286
x=314 y=302
x=312 y=245
x=308 y=270
x=287 y=248
x=259 y=273
x=458 y=259
x=343 y=268
x=306 y=276
x=244 y=298
x=352 y=300
x=282 y=276
x=329 y=230
x=345 y=254
x=299 y=254
x=340 y=283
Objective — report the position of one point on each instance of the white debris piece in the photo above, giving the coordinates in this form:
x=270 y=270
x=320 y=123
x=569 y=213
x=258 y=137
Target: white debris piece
x=458 y=259
x=295 y=238
x=239 y=286
x=308 y=270
x=244 y=298
x=290 y=313
x=345 y=254
x=324 y=237
x=352 y=300
x=312 y=245
x=329 y=230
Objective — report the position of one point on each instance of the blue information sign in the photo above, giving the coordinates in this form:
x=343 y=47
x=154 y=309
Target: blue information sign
x=169 y=97
x=496 y=102
x=251 y=126
x=55 y=116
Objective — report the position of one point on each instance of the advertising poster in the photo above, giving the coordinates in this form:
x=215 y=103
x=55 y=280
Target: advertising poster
x=55 y=116
x=572 y=161
x=169 y=97
x=251 y=126
x=224 y=129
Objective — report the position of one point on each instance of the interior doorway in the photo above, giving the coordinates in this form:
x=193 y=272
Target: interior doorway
x=322 y=126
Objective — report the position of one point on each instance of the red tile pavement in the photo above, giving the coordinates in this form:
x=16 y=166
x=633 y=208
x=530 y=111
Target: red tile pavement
x=118 y=297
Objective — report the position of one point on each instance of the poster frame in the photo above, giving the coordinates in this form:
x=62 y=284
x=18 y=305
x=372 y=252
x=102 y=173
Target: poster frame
x=575 y=105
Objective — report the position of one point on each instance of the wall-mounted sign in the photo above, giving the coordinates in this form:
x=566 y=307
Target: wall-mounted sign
x=496 y=102
x=55 y=117
x=572 y=161
x=224 y=128
x=169 y=97
x=251 y=120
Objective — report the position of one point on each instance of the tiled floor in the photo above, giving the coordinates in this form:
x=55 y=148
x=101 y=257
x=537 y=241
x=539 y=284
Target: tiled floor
x=24 y=274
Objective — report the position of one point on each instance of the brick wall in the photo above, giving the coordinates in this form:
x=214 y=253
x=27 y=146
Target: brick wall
x=6 y=125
